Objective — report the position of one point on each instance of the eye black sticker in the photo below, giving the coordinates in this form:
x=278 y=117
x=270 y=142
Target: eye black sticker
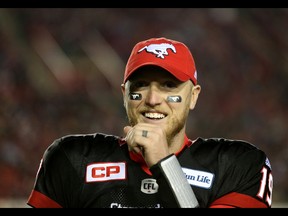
x=135 y=96
x=174 y=99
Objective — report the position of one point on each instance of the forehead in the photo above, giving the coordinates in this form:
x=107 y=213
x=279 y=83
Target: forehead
x=150 y=72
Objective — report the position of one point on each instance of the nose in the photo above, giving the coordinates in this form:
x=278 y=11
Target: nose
x=154 y=96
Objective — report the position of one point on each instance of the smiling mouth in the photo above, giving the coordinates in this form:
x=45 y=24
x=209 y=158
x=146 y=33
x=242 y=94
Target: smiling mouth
x=154 y=115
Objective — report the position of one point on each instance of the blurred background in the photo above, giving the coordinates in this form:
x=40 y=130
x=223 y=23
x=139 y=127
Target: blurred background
x=61 y=70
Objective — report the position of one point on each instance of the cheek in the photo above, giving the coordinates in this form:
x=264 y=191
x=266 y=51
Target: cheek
x=132 y=111
x=132 y=105
x=181 y=108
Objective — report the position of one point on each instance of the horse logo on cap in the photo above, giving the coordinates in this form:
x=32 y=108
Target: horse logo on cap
x=159 y=49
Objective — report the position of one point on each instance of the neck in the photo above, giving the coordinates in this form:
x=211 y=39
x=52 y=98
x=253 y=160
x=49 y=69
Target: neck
x=176 y=143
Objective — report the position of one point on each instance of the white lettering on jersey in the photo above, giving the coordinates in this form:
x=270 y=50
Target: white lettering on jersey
x=119 y=205
x=199 y=178
x=105 y=171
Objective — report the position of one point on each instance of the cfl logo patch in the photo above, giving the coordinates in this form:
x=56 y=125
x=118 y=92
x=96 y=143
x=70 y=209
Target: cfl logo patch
x=149 y=186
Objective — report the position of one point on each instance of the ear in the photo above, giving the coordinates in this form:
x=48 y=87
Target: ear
x=195 y=93
x=123 y=89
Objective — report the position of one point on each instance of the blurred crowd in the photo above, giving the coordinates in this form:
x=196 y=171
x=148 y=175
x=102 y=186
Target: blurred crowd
x=61 y=70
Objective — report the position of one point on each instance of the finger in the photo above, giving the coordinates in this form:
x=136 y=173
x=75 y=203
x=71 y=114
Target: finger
x=126 y=129
x=138 y=149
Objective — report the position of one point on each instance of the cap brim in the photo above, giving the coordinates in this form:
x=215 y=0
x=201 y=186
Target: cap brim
x=173 y=71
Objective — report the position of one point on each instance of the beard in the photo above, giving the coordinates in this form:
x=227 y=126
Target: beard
x=172 y=128
x=177 y=125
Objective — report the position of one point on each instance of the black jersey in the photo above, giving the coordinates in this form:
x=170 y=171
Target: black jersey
x=98 y=170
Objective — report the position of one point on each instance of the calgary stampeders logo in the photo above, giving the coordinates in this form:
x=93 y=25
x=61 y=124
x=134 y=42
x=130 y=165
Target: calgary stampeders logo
x=160 y=50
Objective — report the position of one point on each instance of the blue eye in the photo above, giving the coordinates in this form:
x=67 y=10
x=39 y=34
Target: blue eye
x=140 y=84
x=137 y=85
x=170 y=84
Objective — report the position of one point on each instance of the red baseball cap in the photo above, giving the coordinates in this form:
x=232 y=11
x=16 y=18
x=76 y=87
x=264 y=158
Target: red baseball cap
x=171 y=55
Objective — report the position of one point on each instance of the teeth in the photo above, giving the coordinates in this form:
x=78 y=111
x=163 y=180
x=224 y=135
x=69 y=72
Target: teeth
x=154 y=115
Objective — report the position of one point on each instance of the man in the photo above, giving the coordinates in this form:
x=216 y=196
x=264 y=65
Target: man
x=155 y=165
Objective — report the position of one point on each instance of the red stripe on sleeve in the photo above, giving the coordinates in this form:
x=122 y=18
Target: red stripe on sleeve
x=39 y=200
x=238 y=200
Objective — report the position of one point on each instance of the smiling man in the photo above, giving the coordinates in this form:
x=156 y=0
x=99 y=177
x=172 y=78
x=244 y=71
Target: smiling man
x=155 y=164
